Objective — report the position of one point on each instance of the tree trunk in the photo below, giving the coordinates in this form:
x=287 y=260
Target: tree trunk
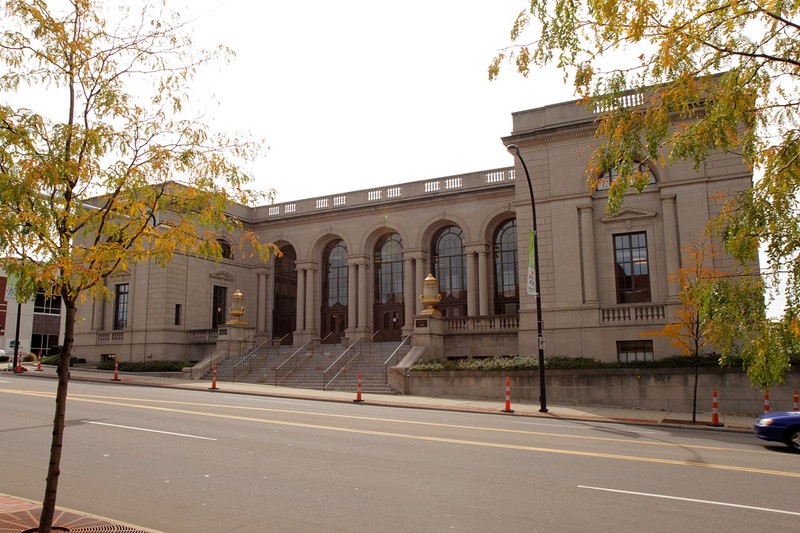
x=696 y=378
x=54 y=468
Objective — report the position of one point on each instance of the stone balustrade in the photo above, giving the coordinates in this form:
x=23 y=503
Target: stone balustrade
x=404 y=191
x=633 y=313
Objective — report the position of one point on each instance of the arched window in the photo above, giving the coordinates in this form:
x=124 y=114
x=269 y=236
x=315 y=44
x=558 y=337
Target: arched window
x=284 y=310
x=334 y=291
x=389 y=269
x=506 y=273
x=604 y=181
x=336 y=278
x=225 y=249
x=448 y=268
x=388 y=312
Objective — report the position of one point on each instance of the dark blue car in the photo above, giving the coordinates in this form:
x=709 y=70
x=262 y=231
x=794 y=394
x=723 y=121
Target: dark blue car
x=781 y=426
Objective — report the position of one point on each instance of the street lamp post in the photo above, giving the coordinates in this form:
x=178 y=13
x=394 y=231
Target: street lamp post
x=514 y=150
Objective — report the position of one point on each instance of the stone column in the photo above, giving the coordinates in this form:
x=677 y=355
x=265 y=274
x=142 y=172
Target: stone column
x=352 y=296
x=408 y=290
x=472 y=292
x=261 y=303
x=301 y=299
x=98 y=313
x=671 y=245
x=483 y=283
x=269 y=304
x=362 y=296
x=588 y=258
x=311 y=311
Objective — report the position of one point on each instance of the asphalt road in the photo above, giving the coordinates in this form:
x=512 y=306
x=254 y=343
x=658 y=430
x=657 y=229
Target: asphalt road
x=189 y=461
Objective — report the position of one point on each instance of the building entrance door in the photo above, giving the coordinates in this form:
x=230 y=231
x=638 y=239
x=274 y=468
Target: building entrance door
x=388 y=322
x=334 y=322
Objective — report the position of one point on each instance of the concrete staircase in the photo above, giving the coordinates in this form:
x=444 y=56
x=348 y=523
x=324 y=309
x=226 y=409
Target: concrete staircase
x=257 y=367
x=367 y=357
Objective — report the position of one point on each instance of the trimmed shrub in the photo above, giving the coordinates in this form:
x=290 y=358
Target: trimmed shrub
x=481 y=364
x=145 y=366
x=507 y=363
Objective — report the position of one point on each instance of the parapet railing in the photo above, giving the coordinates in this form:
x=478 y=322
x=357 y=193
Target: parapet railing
x=203 y=336
x=482 y=324
x=104 y=337
x=633 y=313
x=445 y=185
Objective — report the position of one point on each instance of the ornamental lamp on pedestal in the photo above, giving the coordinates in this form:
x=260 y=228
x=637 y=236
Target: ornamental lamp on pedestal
x=237 y=309
x=430 y=296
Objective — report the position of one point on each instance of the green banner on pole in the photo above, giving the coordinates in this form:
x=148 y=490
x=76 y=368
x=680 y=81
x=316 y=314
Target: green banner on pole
x=531 y=285
x=11 y=287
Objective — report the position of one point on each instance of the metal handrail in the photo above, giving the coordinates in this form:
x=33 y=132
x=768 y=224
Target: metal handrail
x=277 y=368
x=394 y=353
x=324 y=372
x=246 y=359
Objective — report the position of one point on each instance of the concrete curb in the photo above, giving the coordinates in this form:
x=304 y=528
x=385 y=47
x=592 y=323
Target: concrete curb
x=410 y=402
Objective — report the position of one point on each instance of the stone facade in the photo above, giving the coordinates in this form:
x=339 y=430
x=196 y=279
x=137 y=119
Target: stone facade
x=354 y=263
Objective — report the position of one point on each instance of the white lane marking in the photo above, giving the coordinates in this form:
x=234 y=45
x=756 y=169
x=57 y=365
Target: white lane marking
x=151 y=430
x=709 y=502
x=281 y=402
x=579 y=425
x=524 y=423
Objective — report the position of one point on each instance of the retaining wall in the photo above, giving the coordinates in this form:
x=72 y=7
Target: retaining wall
x=664 y=389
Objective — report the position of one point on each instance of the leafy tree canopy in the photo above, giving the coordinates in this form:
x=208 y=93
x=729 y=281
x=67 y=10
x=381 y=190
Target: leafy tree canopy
x=101 y=166
x=680 y=79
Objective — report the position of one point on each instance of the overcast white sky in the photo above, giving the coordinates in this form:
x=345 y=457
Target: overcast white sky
x=356 y=94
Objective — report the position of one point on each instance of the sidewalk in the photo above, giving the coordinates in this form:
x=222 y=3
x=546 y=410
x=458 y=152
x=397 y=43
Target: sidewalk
x=17 y=514
x=563 y=412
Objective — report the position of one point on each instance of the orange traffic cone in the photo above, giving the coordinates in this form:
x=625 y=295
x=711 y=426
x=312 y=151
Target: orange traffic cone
x=214 y=379
x=508 y=408
x=358 y=393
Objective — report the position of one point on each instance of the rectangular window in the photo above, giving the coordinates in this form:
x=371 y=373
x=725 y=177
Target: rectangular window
x=48 y=306
x=121 y=306
x=634 y=351
x=42 y=344
x=177 y=314
x=632 y=268
x=219 y=303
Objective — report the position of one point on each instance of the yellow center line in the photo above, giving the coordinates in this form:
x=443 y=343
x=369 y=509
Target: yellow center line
x=105 y=400
x=398 y=421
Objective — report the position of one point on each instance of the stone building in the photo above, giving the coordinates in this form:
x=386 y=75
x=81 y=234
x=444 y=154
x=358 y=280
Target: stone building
x=353 y=264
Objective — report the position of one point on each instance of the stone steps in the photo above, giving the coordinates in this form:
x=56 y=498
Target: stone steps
x=309 y=374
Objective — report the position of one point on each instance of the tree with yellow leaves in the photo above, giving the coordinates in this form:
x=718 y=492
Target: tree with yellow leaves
x=103 y=168
x=688 y=78
x=699 y=323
